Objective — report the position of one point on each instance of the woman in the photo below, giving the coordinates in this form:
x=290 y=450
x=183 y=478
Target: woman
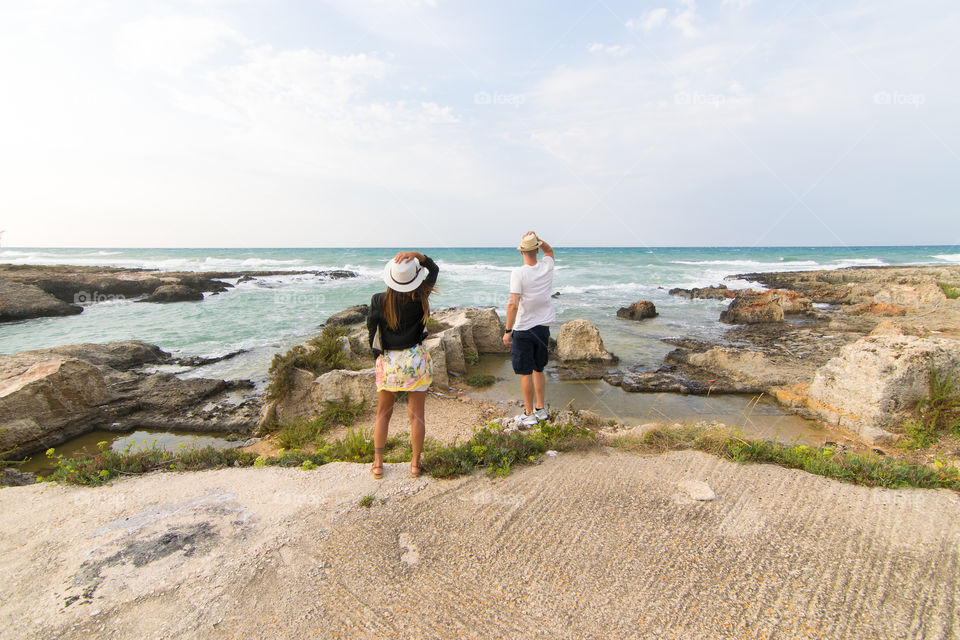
x=400 y=314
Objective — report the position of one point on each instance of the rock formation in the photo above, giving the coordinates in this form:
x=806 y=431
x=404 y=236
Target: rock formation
x=750 y=307
x=720 y=292
x=638 y=311
x=462 y=334
x=33 y=291
x=173 y=293
x=25 y=301
x=580 y=341
x=872 y=386
x=48 y=396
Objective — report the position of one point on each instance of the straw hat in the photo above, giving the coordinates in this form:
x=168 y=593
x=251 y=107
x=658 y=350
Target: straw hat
x=529 y=242
x=404 y=276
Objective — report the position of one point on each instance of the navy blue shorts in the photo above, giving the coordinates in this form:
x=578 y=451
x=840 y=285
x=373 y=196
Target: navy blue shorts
x=529 y=351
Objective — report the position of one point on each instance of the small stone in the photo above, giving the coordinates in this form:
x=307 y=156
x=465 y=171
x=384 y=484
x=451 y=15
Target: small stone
x=697 y=490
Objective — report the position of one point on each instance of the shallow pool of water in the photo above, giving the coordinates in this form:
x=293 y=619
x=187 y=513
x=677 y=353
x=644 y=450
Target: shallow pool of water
x=755 y=416
x=133 y=441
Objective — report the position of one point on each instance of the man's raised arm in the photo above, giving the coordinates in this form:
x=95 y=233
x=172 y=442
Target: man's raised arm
x=546 y=248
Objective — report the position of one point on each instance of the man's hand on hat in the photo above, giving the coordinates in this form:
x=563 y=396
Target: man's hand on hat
x=407 y=256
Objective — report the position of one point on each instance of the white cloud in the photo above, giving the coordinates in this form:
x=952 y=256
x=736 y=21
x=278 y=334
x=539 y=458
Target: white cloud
x=651 y=20
x=612 y=49
x=685 y=18
x=170 y=44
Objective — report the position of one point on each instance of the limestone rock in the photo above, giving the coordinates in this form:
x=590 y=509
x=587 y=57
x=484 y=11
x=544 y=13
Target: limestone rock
x=720 y=292
x=359 y=386
x=874 y=383
x=25 y=301
x=480 y=330
x=579 y=340
x=438 y=361
x=48 y=402
x=752 y=307
x=173 y=293
x=351 y=315
x=121 y=355
x=453 y=354
x=638 y=311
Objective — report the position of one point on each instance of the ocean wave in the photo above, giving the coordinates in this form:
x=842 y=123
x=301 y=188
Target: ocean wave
x=750 y=263
x=948 y=257
x=864 y=262
x=603 y=288
x=454 y=267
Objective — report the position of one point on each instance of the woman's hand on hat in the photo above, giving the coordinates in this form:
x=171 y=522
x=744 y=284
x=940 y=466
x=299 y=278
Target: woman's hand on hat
x=407 y=256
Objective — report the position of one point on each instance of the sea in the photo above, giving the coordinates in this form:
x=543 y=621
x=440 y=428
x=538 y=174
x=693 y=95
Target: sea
x=271 y=314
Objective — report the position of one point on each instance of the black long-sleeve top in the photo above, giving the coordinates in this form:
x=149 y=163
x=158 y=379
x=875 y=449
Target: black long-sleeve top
x=411 y=330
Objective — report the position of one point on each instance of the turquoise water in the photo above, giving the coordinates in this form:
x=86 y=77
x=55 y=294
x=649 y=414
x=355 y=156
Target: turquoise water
x=274 y=313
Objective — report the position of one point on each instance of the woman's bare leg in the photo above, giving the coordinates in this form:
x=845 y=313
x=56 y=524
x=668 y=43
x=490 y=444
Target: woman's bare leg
x=415 y=410
x=385 y=400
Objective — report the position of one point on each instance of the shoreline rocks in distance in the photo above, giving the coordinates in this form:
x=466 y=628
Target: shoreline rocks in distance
x=37 y=291
x=19 y=301
x=845 y=364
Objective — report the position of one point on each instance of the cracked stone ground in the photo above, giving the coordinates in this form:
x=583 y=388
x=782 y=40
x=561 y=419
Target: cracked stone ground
x=585 y=545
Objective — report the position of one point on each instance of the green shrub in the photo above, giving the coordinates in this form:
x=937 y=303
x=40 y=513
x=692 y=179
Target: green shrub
x=498 y=451
x=950 y=291
x=937 y=413
x=324 y=354
x=824 y=461
x=480 y=380
x=300 y=432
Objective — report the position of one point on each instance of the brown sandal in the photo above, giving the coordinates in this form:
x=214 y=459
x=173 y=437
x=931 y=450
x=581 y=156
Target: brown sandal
x=377 y=471
x=415 y=470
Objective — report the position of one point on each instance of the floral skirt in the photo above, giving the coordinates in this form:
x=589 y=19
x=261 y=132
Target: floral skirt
x=404 y=370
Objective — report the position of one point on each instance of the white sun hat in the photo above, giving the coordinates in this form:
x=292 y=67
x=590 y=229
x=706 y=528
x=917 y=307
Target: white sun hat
x=404 y=276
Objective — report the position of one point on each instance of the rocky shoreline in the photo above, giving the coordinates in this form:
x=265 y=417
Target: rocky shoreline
x=852 y=348
x=39 y=291
x=48 y=396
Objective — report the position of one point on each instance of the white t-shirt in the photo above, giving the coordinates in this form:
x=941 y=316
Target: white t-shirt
x=533 y=283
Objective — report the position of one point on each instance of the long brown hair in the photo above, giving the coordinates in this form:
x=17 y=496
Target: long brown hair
x=393 y=300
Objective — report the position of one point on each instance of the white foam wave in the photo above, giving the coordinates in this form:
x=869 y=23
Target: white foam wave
x=948 y=257
x=862 y=262
x=750 y=263
x=622 y=287
x=454 y=267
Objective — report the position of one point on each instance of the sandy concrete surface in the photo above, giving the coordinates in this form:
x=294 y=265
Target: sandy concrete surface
x=584 y=545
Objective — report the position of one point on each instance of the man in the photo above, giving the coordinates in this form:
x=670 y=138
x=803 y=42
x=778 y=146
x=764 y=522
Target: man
x=529 y=312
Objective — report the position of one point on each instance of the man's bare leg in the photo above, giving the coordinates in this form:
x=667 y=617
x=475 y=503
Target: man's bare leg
x=526 y=386
x=540 y=386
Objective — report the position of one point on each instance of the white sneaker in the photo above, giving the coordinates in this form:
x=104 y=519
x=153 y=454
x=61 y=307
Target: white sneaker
x=529 y=421
x=541 y=414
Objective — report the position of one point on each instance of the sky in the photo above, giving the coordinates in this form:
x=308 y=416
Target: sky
x=354 y=123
